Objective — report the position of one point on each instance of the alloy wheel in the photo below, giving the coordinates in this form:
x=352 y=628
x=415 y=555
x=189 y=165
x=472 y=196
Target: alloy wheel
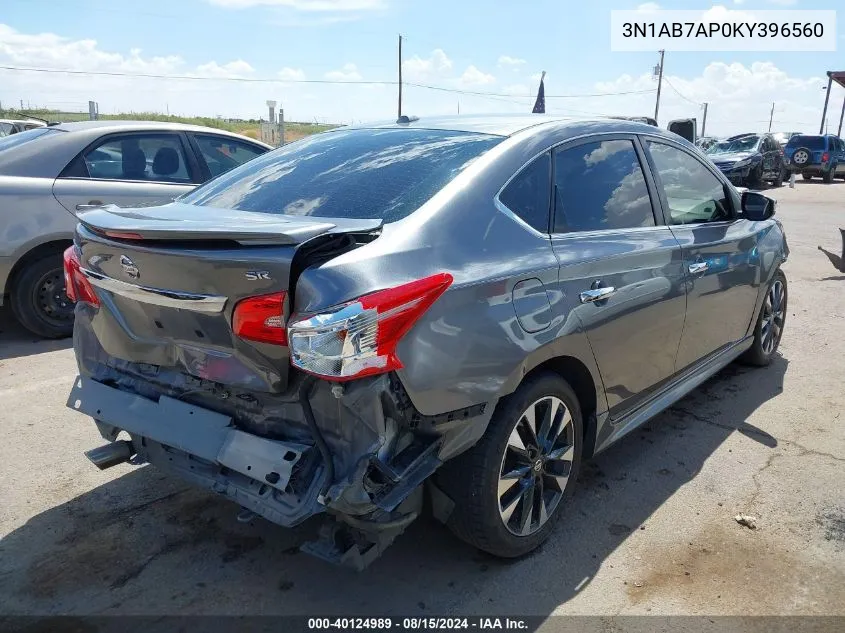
x=800 y=157
x=773 y=317
x=536 y=466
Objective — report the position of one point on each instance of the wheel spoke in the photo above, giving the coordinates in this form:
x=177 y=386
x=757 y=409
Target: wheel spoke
x=527 y=509
x=508 y=508
x=529 y=424
x=541 y=497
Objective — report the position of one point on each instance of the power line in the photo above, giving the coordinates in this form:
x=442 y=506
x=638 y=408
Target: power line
x=677 y=92
x=105 y=73
x=548 y=96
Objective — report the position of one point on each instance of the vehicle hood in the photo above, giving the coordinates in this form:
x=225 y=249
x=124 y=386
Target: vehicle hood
x=180 y=221
x=732 y=157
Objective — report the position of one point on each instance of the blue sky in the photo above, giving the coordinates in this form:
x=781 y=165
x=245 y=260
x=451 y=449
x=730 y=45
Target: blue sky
x=477 y=46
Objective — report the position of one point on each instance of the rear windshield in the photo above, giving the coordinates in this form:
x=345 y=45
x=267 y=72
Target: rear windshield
x=365 y=173
x=15 y=140
x=810 y=142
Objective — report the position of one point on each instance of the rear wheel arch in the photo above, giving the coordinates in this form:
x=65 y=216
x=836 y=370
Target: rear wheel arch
x=45 y=249
x=579 y=377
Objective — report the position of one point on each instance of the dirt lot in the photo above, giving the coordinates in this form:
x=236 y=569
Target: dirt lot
x=651 y=528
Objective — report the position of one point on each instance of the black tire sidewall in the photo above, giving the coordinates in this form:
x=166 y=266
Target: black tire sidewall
x=497 y=539
x=24 y=303
x=755 y=354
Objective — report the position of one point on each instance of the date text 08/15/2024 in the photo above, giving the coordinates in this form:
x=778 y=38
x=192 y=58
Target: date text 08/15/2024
x=417 y=623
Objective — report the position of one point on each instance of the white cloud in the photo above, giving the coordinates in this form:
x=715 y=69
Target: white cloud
x=291 y=74
x=784 y=3
x=739 y=1
x=237 y=68
x=349 y=72
x=648 y=7
x=740 y=97
x=416 y=68
x=506 y=61
x=474 y=77
x=304 y=5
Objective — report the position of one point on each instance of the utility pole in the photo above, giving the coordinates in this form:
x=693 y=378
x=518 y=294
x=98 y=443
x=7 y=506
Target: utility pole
x=771 y=116
x=704 y=121
x=826 y=99
x=841 y=115
x=659 y=85
x=400 y=76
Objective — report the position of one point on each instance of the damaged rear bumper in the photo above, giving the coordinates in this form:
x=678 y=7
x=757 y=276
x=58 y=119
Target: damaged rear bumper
x=376 y=490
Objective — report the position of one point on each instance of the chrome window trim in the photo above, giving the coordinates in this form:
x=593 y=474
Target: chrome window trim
x=195 y=302
x=503 y=208
x=603 y=232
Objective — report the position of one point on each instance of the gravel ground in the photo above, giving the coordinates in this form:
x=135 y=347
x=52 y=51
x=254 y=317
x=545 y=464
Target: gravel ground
x=651 y=528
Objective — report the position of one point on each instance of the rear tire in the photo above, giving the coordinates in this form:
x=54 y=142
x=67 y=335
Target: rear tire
x=770 y=323
x=828 y=177
x=490 y=512
x=38 y=298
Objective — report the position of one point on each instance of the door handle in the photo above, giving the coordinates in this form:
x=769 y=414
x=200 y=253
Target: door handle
x=92 y=204
x=698 y=267
x=597 y=294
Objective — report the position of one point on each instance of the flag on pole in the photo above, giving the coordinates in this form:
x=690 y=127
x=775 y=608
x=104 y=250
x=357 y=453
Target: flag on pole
x=540 y=103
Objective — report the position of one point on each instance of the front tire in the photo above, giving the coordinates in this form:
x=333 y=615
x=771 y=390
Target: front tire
x=770 y=323
x=39 y=301
x=510 y=488
x=755 y=178
x=828 y=177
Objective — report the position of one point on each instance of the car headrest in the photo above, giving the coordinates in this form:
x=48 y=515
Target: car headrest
x=134 y=164
x=166 y=162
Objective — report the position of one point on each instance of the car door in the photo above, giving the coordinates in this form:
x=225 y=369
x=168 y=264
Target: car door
x=128 y=169
x=218 y=154
x=719 y=248
x=620 y=267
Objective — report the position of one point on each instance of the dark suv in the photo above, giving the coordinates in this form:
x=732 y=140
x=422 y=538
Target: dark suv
x=749 y=159
x=816 y=155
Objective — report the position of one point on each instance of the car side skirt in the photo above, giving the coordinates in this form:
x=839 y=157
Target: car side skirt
x=670 y=394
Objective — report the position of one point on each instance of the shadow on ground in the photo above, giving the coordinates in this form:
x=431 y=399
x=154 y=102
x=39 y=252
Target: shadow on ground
x=144 y=543
x=15 y=341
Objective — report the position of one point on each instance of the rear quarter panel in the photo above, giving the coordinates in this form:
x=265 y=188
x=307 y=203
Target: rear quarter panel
x=469 y=347
x=29 y=216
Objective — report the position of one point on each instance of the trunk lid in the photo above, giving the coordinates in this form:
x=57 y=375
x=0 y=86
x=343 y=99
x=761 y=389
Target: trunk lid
x=168 y=292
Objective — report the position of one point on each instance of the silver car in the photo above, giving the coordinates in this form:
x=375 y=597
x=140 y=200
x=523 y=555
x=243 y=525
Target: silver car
x=50 y=173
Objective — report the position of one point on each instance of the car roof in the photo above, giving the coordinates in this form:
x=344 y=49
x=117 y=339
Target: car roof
x=503 y=124
x=137 y=126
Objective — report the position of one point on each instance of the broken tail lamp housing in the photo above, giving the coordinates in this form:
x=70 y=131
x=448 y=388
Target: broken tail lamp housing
x=359 y=338
x=77 y=286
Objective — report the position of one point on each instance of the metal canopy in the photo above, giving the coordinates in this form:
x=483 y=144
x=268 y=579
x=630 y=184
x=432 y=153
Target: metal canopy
x=839 y=78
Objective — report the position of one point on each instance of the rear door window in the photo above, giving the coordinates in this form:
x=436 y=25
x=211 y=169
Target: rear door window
x=528 y=195
x=222 y=153
x=361 y=173
x=693 y=193
x=600 y=186
x=139 y=157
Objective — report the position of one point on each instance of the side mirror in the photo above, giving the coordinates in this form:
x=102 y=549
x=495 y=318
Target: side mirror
x=756 y=206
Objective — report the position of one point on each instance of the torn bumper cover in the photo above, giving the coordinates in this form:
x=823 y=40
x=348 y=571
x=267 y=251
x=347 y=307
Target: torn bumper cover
x=378 y=469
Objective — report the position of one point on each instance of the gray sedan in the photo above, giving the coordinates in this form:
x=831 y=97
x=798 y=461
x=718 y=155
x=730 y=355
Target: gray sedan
x=49 y=174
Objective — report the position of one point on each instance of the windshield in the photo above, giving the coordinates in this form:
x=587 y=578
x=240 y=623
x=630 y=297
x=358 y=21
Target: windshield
x=14 y=140
x=382 y=173
x=744 y=144
x=5 y=128
x=810 y=142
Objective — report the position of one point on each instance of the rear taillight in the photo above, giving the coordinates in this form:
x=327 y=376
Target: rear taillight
x=825 y=157
x=77 y=286
x=261 y=319
x=359 y=338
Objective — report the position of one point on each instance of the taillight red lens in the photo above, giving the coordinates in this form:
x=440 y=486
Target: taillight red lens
x=261 y=319
x=360 y=338
x=77 y=286
x=825 y=157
